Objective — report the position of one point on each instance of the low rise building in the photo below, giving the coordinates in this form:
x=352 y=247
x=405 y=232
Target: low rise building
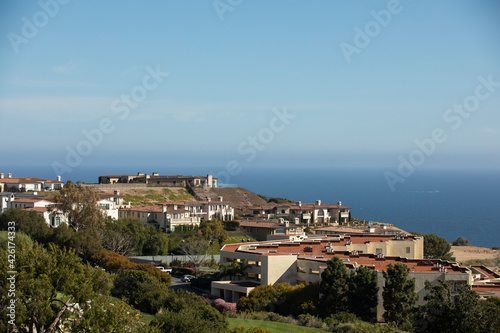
x=25 y=184
x=303 y=261
x=263 y=230
x=161 y=217
x=155 y=179
x=308 y=213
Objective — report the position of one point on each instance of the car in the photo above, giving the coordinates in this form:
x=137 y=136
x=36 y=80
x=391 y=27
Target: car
x=165 y=270
x=187 y=278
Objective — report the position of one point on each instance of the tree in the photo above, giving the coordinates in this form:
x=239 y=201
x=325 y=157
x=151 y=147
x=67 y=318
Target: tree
x=234 y=268
x=363 y=293
x=196 y=250
x=189 y=313
x=27 y=222
x=434 y=315
x=79 y=204
x=48 y=283
x=399 y=296
x=213 y=229
x=461 y=242
x=436 y=247
x=466 y=313
x=334 y=287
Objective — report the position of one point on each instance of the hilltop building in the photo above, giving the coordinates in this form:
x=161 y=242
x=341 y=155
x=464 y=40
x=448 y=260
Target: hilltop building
x=164 y=181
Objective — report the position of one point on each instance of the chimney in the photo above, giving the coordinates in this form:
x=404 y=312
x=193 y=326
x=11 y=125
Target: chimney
x=1 y=176
x=209 y=180
x=155 y=174
x=116 y=192
x=318 y=202
x=9 y=175
x=58 y=178
x=220 y=198
x=299 y=203
x=339 y=203
x=140 y=174
x=163 y=209
x=209 y=199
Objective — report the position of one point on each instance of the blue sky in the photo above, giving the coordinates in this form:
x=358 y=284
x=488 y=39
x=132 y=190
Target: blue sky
x=232 y=67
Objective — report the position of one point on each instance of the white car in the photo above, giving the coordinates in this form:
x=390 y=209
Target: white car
x=187 y=278
x=165 y=270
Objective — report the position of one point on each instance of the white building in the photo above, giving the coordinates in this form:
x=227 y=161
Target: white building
x=25 y=184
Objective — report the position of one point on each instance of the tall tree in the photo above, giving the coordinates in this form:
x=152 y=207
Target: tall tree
x=50 y=281
x=435 y=314
x=334 y=287
x=363 y=293
x=79 y=204
x=436 y=247
x=399 y=296
x=196 y=250
x=30 y=223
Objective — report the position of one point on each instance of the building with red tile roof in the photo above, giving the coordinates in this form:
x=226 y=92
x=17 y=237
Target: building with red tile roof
x=23 y=184
x=307 y=213
x=303 y=261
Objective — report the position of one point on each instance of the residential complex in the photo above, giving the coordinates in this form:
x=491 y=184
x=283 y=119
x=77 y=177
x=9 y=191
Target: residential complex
x=24 y=184
x=308 y=213
x=303 y=261
x=168 y=216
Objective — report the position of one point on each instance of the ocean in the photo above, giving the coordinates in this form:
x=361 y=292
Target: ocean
x=448 y=203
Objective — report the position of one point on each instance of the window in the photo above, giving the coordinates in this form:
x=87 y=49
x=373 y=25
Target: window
x=314 y=271
x=408 y=249
x=378 y=251
x=57 y=221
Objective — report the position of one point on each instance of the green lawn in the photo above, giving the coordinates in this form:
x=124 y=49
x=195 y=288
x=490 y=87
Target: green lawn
x=272 y=326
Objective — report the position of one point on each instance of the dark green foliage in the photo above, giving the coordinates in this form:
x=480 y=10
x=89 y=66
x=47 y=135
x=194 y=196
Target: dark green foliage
x=334 y=287
x=436 y=247
x=399 y=296
x=434 y=316
x=461 y=242
x=467 y=313
x=186 y=312
x=231 y=225
x=279 y=200
x=27 y=222
x=139 y=289
x=45 y=275
x=363 y=290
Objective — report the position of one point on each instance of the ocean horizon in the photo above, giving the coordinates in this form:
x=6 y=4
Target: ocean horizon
x=450 y=203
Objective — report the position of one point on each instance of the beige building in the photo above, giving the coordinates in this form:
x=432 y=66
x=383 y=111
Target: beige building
x=308 y=213
x=299 y=262
x=161 y=217
x=162 y=181
x=271 y=229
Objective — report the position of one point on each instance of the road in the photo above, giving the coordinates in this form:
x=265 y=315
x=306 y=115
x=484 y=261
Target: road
x=177 y=284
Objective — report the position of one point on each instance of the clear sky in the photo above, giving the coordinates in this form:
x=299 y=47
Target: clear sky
x=259 y=83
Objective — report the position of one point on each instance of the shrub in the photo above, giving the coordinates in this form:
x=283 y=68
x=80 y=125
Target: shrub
x=461 y=242
x=223 y=306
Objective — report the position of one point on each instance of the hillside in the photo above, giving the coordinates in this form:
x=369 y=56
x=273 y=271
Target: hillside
x=238 y=197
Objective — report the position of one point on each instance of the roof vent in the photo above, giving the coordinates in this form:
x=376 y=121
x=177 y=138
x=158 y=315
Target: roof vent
x=318 y=202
